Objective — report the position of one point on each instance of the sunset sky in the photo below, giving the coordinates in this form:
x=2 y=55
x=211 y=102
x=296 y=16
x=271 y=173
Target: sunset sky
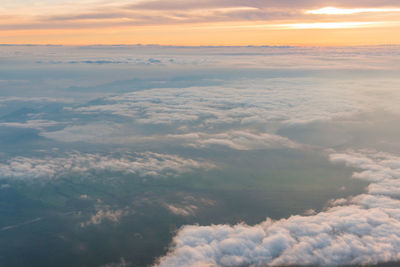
x=189 y=22
x=194 y=133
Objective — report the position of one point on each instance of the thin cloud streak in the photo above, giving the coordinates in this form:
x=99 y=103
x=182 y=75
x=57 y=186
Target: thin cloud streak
x=349 y=11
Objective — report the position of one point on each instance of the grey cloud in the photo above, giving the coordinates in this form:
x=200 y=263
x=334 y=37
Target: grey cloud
x=92 y=133
x=362 y=230
x=35 y=99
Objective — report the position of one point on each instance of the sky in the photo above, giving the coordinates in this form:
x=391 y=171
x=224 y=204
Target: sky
x=194 y=23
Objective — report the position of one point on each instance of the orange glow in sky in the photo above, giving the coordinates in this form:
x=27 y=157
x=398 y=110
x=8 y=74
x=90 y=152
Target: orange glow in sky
x=178 y=22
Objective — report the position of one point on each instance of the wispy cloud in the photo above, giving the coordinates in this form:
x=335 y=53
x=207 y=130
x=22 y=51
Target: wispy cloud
x=95 y=14
x=349 y=11
x=33 y=124
x=10 y=227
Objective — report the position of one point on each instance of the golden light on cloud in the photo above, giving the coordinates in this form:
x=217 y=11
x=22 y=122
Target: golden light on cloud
x=349 y=11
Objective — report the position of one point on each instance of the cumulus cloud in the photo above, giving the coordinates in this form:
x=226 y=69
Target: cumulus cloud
x=188 y=205
x=360 y=230
x=105 y=213
x=142 y=164
x=182 y=210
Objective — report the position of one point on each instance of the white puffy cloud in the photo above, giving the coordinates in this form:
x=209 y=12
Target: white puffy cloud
x=111 y=215
x=182 y=210
x=188 y=205
x=104 y=212
x=360 y=230
x=142 y=164
x=379 y=168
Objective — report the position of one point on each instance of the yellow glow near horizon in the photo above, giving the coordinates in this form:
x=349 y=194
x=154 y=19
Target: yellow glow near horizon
x=349 y=11
x=333 y=25
x=222 y=34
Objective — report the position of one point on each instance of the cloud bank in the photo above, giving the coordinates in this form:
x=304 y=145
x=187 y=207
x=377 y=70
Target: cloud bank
x=142 y=164
x=246 y=102
x=237 y=139
x=360 y=230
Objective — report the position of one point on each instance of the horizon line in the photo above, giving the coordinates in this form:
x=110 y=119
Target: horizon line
x=198 y=46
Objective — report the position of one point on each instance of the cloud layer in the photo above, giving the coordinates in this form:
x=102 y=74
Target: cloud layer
x=97 y=14
x=238 y=140
x=260 y=101
x=142 y=164
x=360 y=230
